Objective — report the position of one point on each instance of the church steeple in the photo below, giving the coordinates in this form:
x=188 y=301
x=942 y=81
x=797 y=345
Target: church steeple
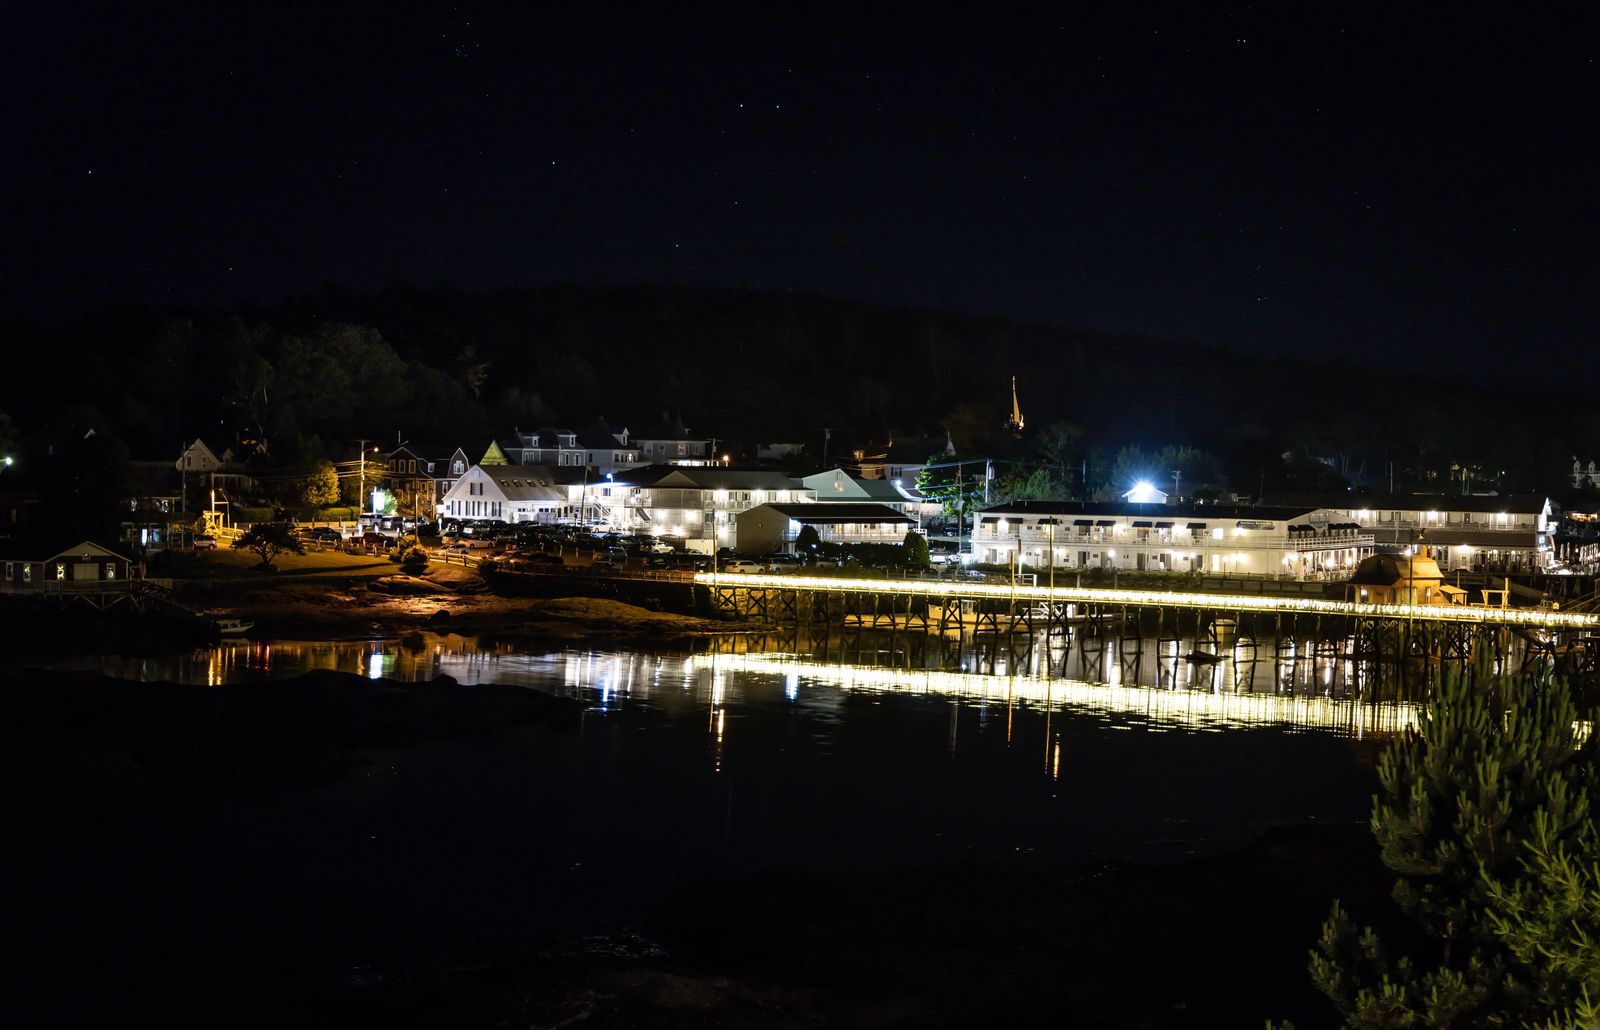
x=1015 y=422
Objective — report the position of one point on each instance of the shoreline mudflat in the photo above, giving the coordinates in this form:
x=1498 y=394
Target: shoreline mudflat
x=343 y=608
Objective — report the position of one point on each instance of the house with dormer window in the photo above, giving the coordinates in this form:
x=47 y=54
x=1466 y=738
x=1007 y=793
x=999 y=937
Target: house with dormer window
x=440 y=466
x=509 y=493
x=600 y=447
x=669 y=442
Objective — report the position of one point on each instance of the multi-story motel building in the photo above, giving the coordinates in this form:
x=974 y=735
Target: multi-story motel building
x=1302 y=543
x=698 y=505
x=1514 y=533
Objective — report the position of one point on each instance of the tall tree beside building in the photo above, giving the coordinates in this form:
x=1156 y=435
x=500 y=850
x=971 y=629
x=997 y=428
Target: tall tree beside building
x=322 y=486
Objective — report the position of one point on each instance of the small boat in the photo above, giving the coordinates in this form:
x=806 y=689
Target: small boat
x=1201 y=658
x=231 y=627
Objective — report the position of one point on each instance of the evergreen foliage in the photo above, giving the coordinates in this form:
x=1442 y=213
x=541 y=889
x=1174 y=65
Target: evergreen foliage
x=322 y=486
x=916 y=549
x=1488 y=818
x=268 y=540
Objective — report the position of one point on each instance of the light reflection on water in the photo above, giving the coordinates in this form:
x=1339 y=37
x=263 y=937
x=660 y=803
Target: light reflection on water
x=1179 y=694
x=727 y=764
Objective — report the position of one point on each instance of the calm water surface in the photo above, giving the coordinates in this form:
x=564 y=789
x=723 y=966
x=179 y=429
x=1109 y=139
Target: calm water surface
x=700 y=767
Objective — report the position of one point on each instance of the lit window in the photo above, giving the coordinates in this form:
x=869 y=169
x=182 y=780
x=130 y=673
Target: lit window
x=111 y=570
x=27 y=573
x=61 y=571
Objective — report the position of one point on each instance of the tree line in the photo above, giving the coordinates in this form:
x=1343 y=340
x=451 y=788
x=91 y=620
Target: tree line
x=311 y=377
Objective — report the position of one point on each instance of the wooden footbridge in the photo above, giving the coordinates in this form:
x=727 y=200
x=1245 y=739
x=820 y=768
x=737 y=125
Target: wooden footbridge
x=1559 y=641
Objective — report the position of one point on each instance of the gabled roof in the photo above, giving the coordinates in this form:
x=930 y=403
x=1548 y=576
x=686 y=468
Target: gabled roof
x=831 y=514
x=670 y=428
x=1385 y=570
x=49 y=549
x=198 y=449
x=545 y=438
x=705 y=478
x=600 y=435
x=524 y=482
x=882 y=490
x=917 y=452
x=837 y=485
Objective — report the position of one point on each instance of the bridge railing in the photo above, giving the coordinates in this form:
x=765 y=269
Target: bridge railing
x=939 y=590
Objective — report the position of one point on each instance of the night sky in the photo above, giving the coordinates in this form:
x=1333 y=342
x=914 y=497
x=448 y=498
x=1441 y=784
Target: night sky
x=1310 y=180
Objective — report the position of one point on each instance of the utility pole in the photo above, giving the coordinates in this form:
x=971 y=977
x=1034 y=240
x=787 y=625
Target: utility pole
x=361 y=488
x=961 y=511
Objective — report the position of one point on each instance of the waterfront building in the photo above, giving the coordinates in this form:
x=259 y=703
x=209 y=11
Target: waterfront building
x=1585 y=475
x=697 y=505
x=773 y=527
x=1301 y=543
x=510 y=493
x=32 y=567
x=839 y=486
x=1477 y=533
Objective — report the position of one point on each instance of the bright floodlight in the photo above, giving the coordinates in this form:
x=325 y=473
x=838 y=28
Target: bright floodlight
x=1143 y=493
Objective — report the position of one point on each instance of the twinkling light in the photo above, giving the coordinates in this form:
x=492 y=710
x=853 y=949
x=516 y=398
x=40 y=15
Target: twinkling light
x=941 y=590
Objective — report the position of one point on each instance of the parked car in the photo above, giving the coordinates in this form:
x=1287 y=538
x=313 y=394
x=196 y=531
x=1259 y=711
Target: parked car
x=327 y=534
x=743 y=567
x=205 y=543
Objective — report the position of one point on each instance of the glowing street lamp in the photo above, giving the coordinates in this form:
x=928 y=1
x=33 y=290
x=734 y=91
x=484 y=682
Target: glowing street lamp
x=1144 y=493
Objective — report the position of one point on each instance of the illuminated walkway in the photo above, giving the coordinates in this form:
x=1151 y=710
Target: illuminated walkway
x=940 y=591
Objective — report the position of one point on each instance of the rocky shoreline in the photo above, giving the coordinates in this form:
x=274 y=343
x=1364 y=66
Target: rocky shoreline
x=345 y=609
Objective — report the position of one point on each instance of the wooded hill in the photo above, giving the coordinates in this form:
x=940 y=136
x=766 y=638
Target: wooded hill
x=316 y=374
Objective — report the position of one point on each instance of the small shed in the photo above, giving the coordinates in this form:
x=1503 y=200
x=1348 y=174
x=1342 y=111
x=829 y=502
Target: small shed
x=1401 y=579
x=29 y=567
